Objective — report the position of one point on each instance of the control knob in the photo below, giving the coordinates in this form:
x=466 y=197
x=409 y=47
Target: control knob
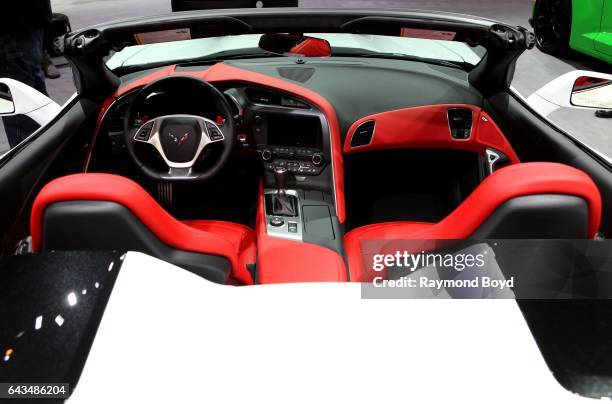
x=266 y=155
x=317 y=159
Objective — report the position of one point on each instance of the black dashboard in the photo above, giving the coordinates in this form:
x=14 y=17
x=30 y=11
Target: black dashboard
x=358 y=87
x=284 y=130
x=281 y=129
x=278 y=129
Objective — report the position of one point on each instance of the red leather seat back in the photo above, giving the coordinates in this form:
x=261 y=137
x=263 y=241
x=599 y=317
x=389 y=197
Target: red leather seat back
x=506 y=184
x=232 y=241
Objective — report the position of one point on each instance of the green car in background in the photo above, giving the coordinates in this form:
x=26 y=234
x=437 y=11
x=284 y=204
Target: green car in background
x=581 y=25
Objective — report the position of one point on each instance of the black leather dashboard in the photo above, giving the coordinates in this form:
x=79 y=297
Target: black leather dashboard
x=360 y=87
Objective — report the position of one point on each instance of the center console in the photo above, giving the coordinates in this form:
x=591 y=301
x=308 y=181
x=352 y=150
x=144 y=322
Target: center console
x=291 y=141
x=298 y=182
x=299 y=237
x=282 y=207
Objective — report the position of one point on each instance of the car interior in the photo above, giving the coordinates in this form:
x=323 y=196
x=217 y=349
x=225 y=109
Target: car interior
x=275 y=170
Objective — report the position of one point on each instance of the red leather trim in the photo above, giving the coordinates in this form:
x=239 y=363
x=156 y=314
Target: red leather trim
x=507 y=183
x=287 y=261
x=242 y=237
x=105 y=106
x=233 y=241
x=223 y=72
x=378 y=231
x=427 y=127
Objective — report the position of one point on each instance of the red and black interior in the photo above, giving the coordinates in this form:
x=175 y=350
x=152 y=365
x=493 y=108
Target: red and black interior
x=387 y=148
x=113 y=212
x=416 y=171
x=384 y=161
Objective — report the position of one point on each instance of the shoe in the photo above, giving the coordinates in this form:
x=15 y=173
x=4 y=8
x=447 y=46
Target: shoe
x=603 y=113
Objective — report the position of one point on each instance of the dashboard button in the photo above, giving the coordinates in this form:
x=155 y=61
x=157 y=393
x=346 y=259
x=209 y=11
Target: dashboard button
x=145 y=132
x=213 y=132
x=266 y=155
x=277 y=222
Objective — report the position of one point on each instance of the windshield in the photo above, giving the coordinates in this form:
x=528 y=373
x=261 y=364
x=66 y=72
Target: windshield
x=176 y=51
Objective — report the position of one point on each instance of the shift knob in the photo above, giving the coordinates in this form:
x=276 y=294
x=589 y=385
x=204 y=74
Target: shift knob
x=280 y=175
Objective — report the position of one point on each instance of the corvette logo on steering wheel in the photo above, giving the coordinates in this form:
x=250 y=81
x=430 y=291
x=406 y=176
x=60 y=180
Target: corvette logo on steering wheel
x=178 y=141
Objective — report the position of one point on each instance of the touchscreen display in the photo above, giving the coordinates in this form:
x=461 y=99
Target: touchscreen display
x=295 y=131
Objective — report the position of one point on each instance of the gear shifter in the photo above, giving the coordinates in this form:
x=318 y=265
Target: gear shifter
x=280 y=176
x=282 y=204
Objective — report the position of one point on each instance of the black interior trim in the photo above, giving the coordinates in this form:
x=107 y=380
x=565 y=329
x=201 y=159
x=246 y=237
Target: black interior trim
x=97 y=225
x=416 y=185
x=541 y=216
x=55 y=150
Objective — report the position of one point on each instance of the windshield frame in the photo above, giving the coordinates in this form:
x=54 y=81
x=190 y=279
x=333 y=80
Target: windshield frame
x=441 y=52
x=88 y=49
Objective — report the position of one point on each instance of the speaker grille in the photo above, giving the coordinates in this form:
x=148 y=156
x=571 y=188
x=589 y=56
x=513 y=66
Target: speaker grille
x=299 y=74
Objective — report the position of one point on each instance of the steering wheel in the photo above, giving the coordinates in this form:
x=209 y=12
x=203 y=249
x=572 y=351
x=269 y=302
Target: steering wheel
x=181 y=139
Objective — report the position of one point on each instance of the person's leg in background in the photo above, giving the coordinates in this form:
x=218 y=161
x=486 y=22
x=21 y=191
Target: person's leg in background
x=21 y=58
x=49 y=68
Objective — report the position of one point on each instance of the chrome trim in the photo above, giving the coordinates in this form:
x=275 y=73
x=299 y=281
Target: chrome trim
x=283 y=231
x=492 y=159
x=357 y=128
x=155 y=141
x=235 y=100
x=450 y=131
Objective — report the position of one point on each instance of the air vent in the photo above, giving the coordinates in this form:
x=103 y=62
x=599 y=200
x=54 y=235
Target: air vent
x=363 y=134
x=460 y=123
x=116 y=119
x=299 y=74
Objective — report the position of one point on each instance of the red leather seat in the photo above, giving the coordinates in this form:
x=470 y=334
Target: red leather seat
x=505 y=185
x=232 y=241
x=240 y=236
